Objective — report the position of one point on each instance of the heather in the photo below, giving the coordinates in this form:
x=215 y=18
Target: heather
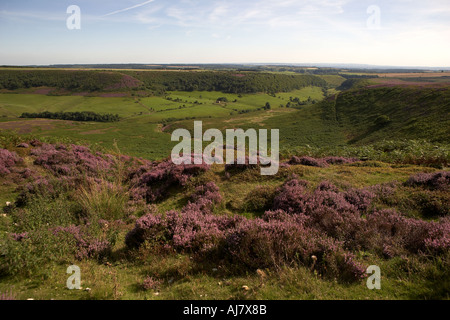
x=169 y=225
x=7 y=161
x=432 y=181
x=326 y=223
x=152 y=181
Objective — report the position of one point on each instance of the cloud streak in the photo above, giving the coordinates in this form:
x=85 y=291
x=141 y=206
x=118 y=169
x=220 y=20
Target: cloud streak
x=129 y=8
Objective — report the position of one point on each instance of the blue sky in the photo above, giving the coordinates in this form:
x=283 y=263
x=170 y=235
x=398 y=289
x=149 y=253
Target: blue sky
x=410 y=32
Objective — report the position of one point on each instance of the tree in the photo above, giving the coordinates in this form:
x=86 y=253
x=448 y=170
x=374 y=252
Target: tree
x=382 y=121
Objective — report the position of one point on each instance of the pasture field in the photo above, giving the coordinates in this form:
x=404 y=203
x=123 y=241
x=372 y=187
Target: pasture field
x=142 y=116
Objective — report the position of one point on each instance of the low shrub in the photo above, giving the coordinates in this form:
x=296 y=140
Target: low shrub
x=7 y=161
x=431 y=181
x=259 y=199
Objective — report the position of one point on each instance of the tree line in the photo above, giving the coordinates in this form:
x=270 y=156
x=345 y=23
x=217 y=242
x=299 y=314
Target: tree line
x=73 y=116
x=226 y=82
x=158 y=81
x=74 y=80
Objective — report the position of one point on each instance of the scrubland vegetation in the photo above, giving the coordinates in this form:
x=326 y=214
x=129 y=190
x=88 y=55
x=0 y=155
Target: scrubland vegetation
x=363 y=180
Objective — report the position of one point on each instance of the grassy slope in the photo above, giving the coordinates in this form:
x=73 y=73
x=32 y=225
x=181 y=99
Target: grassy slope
x=414 y=112
x=350 y=118
x=139 y=132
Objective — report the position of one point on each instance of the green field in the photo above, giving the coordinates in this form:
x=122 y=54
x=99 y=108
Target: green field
x=139 y=131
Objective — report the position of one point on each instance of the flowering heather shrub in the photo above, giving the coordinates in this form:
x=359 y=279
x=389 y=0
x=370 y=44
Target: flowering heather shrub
x=193 y=231
x=291 y=196
x=7 y=161
x=149 y=227
x=71 y=161
x=388 y=229
x=27 y=173
x=340 y=160
x=153 y=180
x=260 y=244
x=4 y=296
x=308 y=161
x=328 y=199
x=204 y=198
x=438 y=238
x=432 y=181
x=327 y=186
x=87 y=246
x=151 y=284
x=186 y=231
x=44 y=187
x=36 y=143
x=361 y=199
x=19 y=236
x=384 y=191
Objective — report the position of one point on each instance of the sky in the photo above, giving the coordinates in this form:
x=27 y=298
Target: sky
x=376 y=32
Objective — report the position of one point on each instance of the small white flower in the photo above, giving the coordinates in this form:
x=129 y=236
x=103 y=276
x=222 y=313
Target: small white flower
x=8 y=204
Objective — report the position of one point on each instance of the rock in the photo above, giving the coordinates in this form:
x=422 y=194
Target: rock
x=261 y=273
x=23 y=145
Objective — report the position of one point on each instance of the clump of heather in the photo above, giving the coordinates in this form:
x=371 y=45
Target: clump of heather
x=7 y=161
x=259 y=243
x=432 y=181
x=5 y=296
x=291 y=196
x=152 y=180
x=327 y=186
x=188 y=231
x=205 y=197
x=45 y=187
x=360 y=198
x=151 y=284
x=308 y=161
x=340 y=160
x=390 y=233
x=384 y=191
x=87 y=246
x=19 y=236
x=71 y=160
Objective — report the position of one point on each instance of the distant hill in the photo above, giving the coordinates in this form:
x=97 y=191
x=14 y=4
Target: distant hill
x=157 y=81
